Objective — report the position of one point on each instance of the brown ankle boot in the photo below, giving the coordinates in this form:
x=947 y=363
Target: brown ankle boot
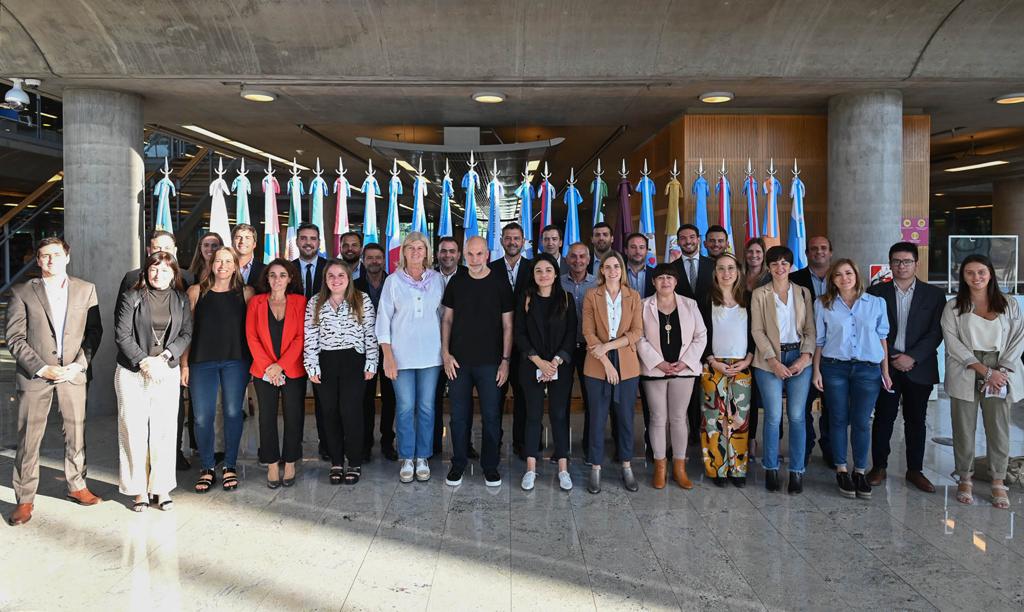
x=660 y=473
x=679 y=473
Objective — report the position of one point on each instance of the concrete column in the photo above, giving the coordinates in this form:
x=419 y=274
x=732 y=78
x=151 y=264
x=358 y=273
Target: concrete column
x=1008 y=213
x=103 y=192
x=865 y=174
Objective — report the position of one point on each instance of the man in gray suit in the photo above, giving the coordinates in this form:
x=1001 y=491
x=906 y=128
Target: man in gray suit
x=53 y=327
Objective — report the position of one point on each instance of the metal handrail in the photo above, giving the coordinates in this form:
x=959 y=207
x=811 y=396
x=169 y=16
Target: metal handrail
x=8 y=234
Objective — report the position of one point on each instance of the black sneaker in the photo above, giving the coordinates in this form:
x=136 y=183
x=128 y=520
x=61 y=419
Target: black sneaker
x=183 y=463
x=738 y=481
x=454 y=477
x=771 y=480
x=492 y=478
x=796 y=483
x=846 y=488
x=860 y=483
x=389 y=453
x=719 y=481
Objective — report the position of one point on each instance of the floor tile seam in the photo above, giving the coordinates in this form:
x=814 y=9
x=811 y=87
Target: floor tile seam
x=583 y=553
x=650 y=546
x=362 y=560
x=440 y=543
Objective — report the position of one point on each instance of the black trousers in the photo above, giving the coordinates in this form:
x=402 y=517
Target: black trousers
x=182 y=414
x=442 y=386
x=823 y=441
x=915 y=410
x=341 y=395
x=755 y=408
x=518 y=403
x=481 y=377
x=318 y=412
x=559 y=392
x=293 y=397
x=578 y=358
x=387 y=409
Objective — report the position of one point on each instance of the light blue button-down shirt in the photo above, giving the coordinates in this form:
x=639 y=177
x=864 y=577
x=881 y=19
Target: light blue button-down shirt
x=852 y=334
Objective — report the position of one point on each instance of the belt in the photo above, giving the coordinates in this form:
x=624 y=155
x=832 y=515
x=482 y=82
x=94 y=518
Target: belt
x=850 y=361
x=789 y=346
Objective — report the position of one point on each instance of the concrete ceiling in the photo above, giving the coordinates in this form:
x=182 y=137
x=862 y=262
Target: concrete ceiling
x=578 y=69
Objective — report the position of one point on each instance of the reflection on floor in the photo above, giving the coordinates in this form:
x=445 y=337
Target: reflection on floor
x=385 y=545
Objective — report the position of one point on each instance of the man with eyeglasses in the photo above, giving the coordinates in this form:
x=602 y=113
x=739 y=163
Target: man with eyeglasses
x=914 y=367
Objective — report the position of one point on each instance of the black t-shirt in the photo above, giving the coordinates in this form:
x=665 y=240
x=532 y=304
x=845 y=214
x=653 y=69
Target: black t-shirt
x=476 y=336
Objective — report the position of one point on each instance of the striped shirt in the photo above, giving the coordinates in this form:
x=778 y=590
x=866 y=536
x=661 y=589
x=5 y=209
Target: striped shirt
x=338 y=330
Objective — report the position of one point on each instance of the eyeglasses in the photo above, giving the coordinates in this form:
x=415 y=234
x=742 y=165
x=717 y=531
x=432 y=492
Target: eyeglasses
x=901 y=262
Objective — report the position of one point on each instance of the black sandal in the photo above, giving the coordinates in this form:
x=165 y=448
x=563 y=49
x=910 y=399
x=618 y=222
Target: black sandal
x=352 y=475
x=204 y=484
x=337 y=475
x=166 y=505
x=229 y=478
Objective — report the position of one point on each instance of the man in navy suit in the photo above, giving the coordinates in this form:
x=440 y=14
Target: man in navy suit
x=695 y=271
x=641 y=279
x=310 y=263
x=914 y=309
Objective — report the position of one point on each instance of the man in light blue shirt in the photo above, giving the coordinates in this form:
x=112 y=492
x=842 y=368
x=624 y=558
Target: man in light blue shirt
x=577 y=282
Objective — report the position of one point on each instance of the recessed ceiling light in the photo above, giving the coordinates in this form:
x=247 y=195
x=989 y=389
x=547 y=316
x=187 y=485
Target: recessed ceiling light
x=976 y=166
x=939 y=195
x=489 y=97
x=257 y=95
x=241 y=145
x=1011 y=98
x=716 y=97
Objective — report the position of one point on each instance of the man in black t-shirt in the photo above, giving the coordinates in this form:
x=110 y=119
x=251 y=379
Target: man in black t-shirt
x=476 y=342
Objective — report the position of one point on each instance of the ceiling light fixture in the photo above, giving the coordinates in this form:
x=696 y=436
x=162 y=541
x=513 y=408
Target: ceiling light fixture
x=257 y=95
x=16 y=98
x=1011 y=98
x=976 y=166
x=240 y=145
x=716 y=97
x=489 y=97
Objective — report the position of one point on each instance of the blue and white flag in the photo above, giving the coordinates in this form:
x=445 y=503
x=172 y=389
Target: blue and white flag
x=647 y=191
x=242 y=188
x=393 y=230
x=495 y=194
x=471 y=182
x=371 y=191
x=296 y=190
x=797 y=230
x=572 y=199
x=317 y=191
x=525 y=192
x=444 y=226
x=701 y=191
x=163 y=191
x=419 y=211
x=724 y=192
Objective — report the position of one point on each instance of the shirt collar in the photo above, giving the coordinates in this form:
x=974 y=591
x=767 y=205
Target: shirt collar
x=913 y=285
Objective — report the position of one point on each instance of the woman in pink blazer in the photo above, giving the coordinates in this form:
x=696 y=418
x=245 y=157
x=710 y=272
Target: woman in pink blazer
x=670 y=353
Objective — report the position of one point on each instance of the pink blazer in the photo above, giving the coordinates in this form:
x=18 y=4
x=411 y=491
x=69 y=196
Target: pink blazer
x=694 y=334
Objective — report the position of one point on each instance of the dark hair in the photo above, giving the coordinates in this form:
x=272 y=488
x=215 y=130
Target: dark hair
x=601 y=225
x=777 y=253
x=532 y=290
x=294 y=282
x=552 y=228
x=53 y=240
x=716 y=228
x=160 y=257
x=308 y=226
x=161 y=233
x=688 y=226
x=831 y=291
x=374 y=246
x=664 y=269
x=342 y=237
x=903 y=247
x=243 y=227
x=996 y=299
x=827 y=239
x=199 y=265
x=451 y=239
x=513 y=227
x=636 y=235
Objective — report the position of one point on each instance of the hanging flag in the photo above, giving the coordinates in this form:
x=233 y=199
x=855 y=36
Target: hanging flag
x=546 y=193
x=772 y=189
x=163 y=191
x=343 y=191
x=701 y=190
x=242 y=188
x=647 y=191
x=724 y=192
x=419 y=211
x=572 y=199
x=797 y=230
x=317 y=191
x=598 y=191
x=393 y=230
x=271 y=225
x=218 y=207
x=526 y=193
x=495 y=194
x=444 y=227
x=625 y=226
x=672 y=190
x=750 y=190
x=471 y=182
x=295 y=190
x=371 y=191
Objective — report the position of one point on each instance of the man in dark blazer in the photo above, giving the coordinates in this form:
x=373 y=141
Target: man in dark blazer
x=310 y=265
x=692 y=263
x=371 y=282
x=243 y=239
x=551 y=243
x=915 y=309
x=158 y=241
x=638 y=273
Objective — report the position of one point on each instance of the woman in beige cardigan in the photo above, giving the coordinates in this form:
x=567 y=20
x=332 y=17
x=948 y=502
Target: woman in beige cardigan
x=670 y=351
x=984 y=335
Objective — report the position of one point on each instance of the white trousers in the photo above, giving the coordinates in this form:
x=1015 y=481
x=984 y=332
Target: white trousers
x=147 y=430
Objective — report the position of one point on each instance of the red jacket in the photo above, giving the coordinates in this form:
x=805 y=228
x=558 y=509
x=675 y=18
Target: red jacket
x=257 y=331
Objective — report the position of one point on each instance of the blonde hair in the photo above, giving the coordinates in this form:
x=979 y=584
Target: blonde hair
x=600 y=267
x=353 y=296
x=415 y=237
x=738 y=287
x=237 y=284
x=831 y=292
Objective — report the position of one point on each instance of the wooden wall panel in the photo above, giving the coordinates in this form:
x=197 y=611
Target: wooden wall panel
x=916 y=175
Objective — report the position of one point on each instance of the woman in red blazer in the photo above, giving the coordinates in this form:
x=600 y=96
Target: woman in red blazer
x=274 y=329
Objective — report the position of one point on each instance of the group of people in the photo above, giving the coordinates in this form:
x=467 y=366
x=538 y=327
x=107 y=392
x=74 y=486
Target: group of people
x=704 y=342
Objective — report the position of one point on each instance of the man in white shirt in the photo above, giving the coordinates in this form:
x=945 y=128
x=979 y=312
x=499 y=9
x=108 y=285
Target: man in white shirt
x=53 y=328
x=695 y=271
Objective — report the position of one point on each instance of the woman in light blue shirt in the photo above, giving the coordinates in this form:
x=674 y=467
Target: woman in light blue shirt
x=409 y=331
x=850 y=367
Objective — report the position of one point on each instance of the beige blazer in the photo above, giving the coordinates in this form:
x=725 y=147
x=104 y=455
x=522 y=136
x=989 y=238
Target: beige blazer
x=595 y=330
x=694 y=335
x=960 y=380
x=30 y=329
x=764 y=325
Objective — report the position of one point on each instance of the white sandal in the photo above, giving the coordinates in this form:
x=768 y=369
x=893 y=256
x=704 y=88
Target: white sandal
x=1001 y=501
x=965 y=496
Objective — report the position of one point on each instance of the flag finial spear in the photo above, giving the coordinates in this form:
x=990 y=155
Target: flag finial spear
x=166 y=171
x=295 y=168
x=494 y=172
x=270 y=168
x=394 y=167
x=700 y=167
x=341 y=168
x=623 y=172
x=419 y=168
x=796 y=171
x=546 y=174
x=723 y=171
x=675 y=169
x=771 y=168
x=220 y=168
x=242 y=171
x=572 y=176
x=750 y=170
x=369 y=167
x=318 y=172
x=526 y=172
x=472 y=160
x=646 y=171
x=599 y=172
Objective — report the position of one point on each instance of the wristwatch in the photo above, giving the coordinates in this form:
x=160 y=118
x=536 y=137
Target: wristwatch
x=557 y=360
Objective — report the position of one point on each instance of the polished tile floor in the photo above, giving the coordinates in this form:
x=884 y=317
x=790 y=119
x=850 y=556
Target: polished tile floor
x=385 y=545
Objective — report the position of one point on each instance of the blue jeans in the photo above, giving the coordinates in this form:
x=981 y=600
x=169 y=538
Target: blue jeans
x=851 y=389
x=770 y=387
x=414 y=411
x=460 y=394
x=204 y=380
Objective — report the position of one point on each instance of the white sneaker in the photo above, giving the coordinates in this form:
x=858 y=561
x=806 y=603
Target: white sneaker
x=406 y=474
x=564 y=482
x=422 y=470
x=528 y=479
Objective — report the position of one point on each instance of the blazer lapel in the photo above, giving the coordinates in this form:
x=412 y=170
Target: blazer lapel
x=37 y=286
x=601 y=308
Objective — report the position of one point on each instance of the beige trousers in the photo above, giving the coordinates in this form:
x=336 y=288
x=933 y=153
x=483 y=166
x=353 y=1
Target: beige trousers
x=147 y=431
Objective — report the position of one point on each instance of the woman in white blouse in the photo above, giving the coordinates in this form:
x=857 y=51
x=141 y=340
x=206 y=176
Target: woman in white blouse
x=340 y=354
x=409 y=331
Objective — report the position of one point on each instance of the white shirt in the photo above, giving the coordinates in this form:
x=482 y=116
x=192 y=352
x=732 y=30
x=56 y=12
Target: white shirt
x=729 y=340
x=785 y=314
x=408 y=320
x=512 y=271
x=614 y=313
x=57 y=294
x=984 y=335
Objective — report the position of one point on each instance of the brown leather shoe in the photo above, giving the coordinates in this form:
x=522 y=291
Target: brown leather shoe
x=21 y=515
x=876 y=476
x=84 y=497
x=679 y=473
x=660 y=473
x=920 y=481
